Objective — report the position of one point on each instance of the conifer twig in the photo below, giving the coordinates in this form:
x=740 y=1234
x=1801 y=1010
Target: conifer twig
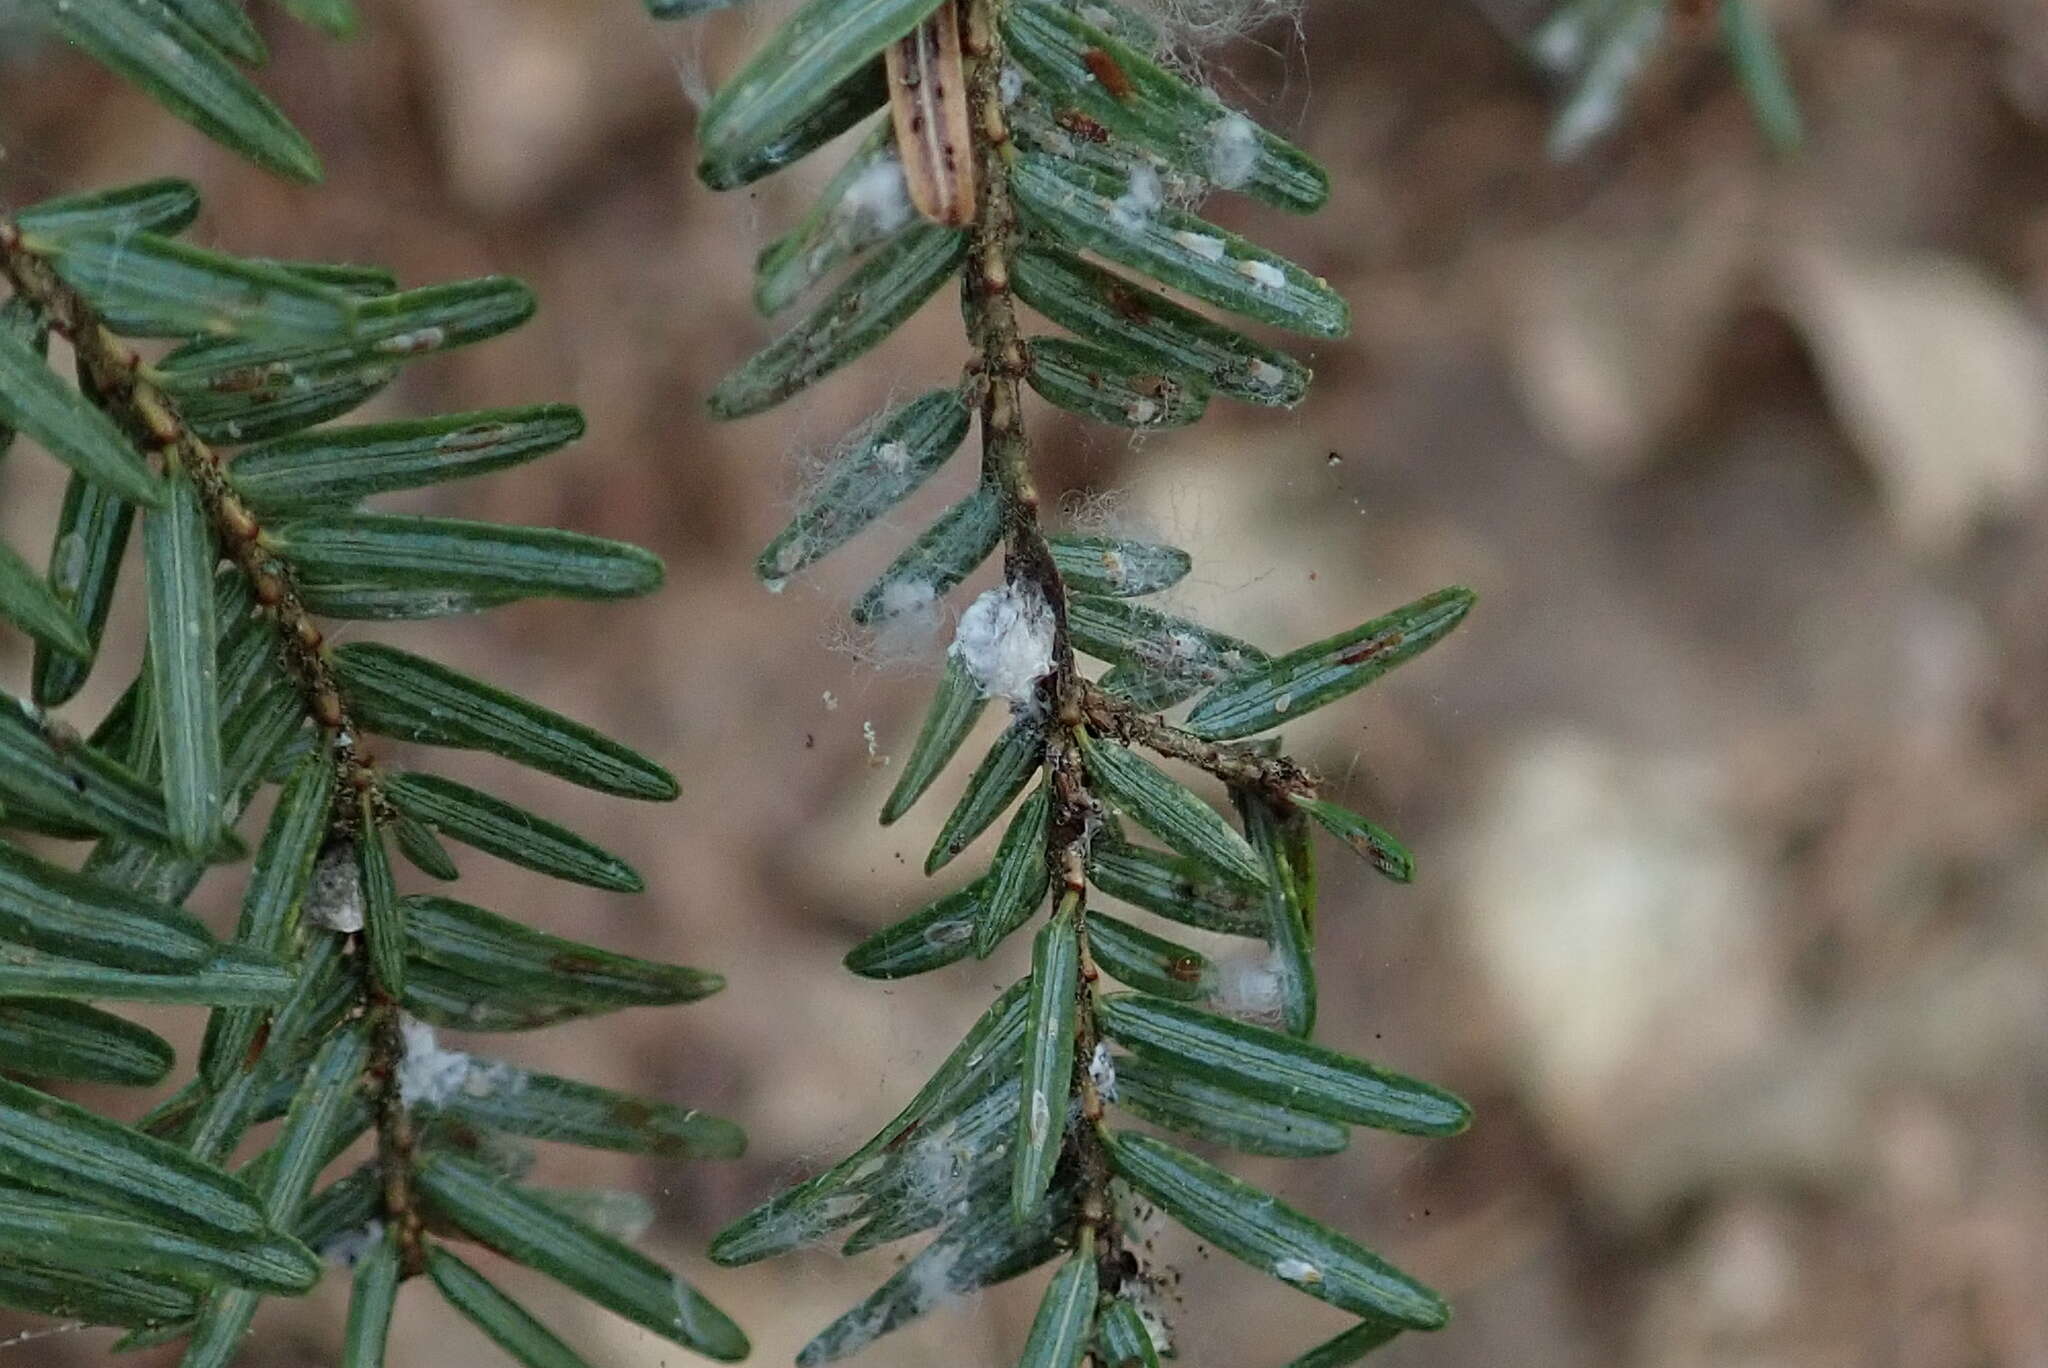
x=121 y=386
x=998 y=364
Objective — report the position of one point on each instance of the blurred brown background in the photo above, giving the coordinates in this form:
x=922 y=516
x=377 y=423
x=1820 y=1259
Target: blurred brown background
x=1728 y=801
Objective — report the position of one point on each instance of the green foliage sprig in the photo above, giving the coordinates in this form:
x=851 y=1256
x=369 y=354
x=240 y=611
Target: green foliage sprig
x=1040 y=153
x=320 y=1043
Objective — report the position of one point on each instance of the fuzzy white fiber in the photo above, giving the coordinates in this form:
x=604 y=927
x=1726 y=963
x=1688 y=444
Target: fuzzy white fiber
x=1191 y=26
x=348 y=1248
x=1102 y=1071
x=1005 y=641
x=334 y=897
x=430 y=1073
x=1251 y=987
x=1233 y=150
x=1141 y=199
x=879 y=196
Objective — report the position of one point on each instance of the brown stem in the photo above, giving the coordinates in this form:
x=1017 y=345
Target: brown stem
x=119 y=384
x=1242 y=767
x=997 y=367
x=999 y=362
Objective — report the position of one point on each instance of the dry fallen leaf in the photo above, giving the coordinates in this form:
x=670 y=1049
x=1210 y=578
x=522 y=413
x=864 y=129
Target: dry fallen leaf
x=1938 y=374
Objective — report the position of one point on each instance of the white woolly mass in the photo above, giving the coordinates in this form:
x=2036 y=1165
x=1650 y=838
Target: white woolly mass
x=1201 y=244
x=1251 y=987
x=430 y=1074
x=879 y=196
x=1005 y=641
x=1233 y=150
x=929 y=1281
x=907 y=598
x=488 y=1078
x=931 y=1277
x=1102 y=1071
x=1141 y=199
x=1156 y=1329
x=941 y=1168
x=334 y=896
x=348 y=1248
x=1295 y=1270
x=893 y=457
x=906 y=623
x=622 y=1215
